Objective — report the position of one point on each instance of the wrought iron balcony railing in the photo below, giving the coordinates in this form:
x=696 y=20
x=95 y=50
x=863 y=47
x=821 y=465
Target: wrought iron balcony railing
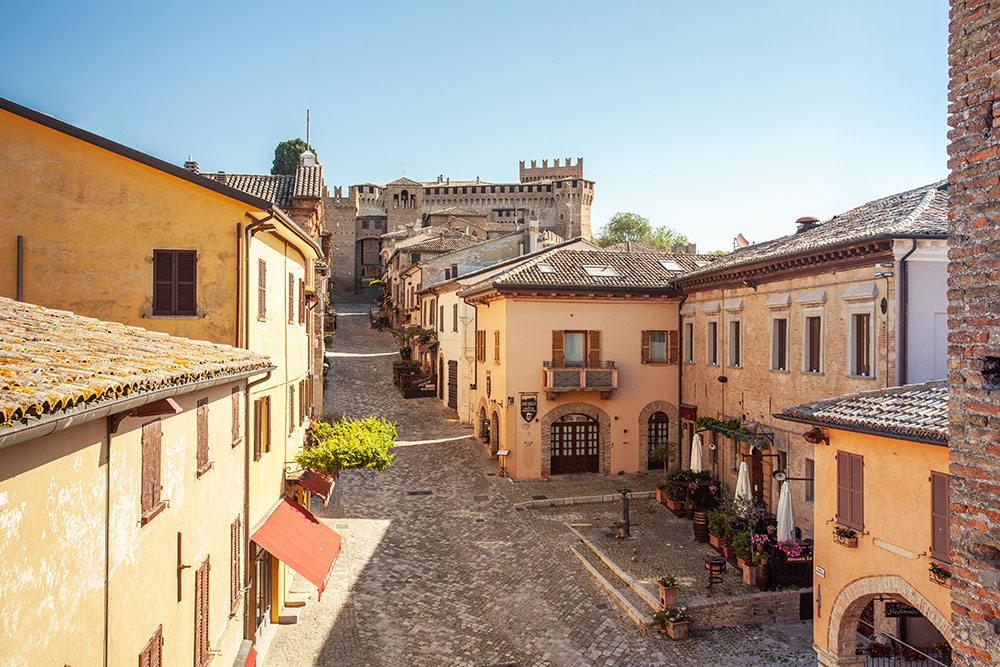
x=602 y=377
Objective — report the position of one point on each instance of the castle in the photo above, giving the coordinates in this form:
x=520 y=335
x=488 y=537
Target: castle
x=556 y=194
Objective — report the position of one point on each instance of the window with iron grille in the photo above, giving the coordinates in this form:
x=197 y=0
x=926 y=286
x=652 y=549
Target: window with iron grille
x=175 y=281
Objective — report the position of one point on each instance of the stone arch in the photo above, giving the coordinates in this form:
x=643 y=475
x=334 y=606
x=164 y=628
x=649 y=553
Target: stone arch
x=853 y=598
x=495 y=433
x=477 y=419
x=604 y=433
x=675 y=430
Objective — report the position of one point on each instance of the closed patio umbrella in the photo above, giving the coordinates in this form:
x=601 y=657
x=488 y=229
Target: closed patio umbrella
x=743 y=483
x=696 y=453
x=786 y=516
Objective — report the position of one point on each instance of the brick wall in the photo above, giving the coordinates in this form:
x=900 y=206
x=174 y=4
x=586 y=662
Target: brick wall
x=974 y=322
x=722 y=611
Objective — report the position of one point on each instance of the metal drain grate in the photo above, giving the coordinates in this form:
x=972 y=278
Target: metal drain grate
x=419 y=493
x=341 y=526
x=480 y=520
x=539 y=497
x=480 y=499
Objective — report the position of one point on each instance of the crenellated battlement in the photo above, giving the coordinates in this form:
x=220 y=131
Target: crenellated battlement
x=545 y=172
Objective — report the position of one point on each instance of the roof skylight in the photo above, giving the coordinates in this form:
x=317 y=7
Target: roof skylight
x=600 y=270
x=702 y=262
x=545 y=267
x=670 y=265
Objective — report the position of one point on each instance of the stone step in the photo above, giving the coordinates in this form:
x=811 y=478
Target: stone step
x=638 y=589
x=623 y=597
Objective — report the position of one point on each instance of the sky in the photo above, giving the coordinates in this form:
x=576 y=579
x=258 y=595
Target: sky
x=713 y=119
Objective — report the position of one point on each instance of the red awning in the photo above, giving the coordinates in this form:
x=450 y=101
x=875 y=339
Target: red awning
x=317 y=483
x=301 y=541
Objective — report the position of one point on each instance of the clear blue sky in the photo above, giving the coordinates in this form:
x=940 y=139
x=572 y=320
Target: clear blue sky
x=712 y=118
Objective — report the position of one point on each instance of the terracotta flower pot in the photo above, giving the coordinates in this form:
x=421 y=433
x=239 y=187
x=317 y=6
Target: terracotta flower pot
x=661 y=495
x=668 y=596
x=740 y=562
x=749 y=574
x=717 y=542
x=678 y=630
x=728 y=552
x=675 y=505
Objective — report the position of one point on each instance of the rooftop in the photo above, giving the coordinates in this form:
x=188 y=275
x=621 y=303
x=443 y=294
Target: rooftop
x=279 y=189
x=911 y=412
x=53 y=360
x=456 y=211
x=919 y=212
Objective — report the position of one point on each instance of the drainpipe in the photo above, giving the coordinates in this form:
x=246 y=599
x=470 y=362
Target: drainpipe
x=904 y=316
x=239 y=282
x=680 y=379
x=20 y=268
x=107 y=525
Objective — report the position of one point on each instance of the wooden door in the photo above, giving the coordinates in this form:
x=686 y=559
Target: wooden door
x=757 y=474
x=574 y=446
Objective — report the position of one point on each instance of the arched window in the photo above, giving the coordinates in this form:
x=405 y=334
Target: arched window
x=658 y=436
x=574 y=445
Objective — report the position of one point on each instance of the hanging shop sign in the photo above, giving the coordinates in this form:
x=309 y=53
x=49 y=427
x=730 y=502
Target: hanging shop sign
x=529 y=407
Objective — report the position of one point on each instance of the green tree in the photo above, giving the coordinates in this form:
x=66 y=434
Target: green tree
x=286 y=156
x=633 y=227
x=349 y=443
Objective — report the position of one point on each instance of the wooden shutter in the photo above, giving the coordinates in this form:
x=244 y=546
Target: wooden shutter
x=258 y=431
x=291 y=408
x=291 y=298
x=235 y=539
x=201 y=644
x=163 y=282
x=152 y=654
x=454 y=317
x=261 y=289
x=202 y=448
x=302 y=301
x=266 y=419
x=558 y=348
x=940 y=517
x=496 y=346
x=441 y=318
x=594 y=347
x=150 y=493
x=857 y=492
x=187 y=271
x=673 y=346
x=645 y=347
x=174 y=282
x=862 y=344
x=236 y=415
x=844 y=488
x=814 y=343
x=781 y=363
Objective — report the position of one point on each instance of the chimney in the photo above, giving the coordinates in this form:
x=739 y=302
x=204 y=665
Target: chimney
x=477 y=179
x=440 y=178
x=805 y=224
x=307 y=159
x=531 y=237
x=191 y=165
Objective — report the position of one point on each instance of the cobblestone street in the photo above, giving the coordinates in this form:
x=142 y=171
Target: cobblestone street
x=438 y=568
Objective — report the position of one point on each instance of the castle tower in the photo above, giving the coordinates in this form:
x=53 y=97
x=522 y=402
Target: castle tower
x=403 y=203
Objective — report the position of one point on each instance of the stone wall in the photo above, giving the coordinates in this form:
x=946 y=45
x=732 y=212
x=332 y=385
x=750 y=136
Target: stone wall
x=974 y=322
x=725 y=611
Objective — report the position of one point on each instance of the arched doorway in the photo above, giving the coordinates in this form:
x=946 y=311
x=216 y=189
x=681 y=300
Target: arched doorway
x=495 y=434
x=658 y=440
x=574 y=445
x=484 y=427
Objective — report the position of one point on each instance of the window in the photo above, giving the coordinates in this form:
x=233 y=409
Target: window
x=496 y=346
x=447 y=274
x=291 y=408
x=454 y=317
x=454 y=270
x=735 y=344
x=735 y=450
x=237 y=436
x=235 y=538
x=152 y=654
x=261 y=427
x=481 y=345
x=545 y=267
x=175 y=282
x=364 y=224
x=810 y=484
x=202 y=447
x=150 y=500
x=576 y=348
x=600 y=271
x=304 y=394
x=671 y=265
x=779 y=344
x=414 y=257
x=659 y=347
x=813 y=348
x=574 y=343
x=291 y=298
x=940 y=517
x=429 y=309
x=712 y=343
x=261 y=289
x=688 y=342
x=861 y=344
x=202 y=653
x=851 y=490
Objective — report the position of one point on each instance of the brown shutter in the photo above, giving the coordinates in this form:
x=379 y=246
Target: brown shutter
x=302 y=301
x=235 y=538
x=261 y=289
x=782 y=342
x=291 y=408
x=844 y=488
x=594 y=347
x=454 y=317
x=645 y=347
x=186 y=277
x=236 y=415
x=814 y=344
x=940 y=517
x=201 y=605
x=258 y=431
x=151 y=439
x=291 y=298
x=441 y=319
x=558 y=349
x=267 y=423
x=202 y=448
x=152 y=654
x=857 y=492
x=673 y=347
x=496 y=346
x=163 y=282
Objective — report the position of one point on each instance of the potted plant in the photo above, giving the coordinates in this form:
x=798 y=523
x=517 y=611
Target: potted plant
x=668 y=591
x=751 y=568
x=760 y=541
x=741 y=547
x=943 y=649
x=674 y=621
x=689 y=508
x=717 y=529
x=676 y=481
x=879 y=650
x=661 y=493
x=939 y=575
x=790 y=548
x=846 y=537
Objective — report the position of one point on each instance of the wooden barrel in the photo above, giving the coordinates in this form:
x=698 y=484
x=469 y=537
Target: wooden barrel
x=701 y=526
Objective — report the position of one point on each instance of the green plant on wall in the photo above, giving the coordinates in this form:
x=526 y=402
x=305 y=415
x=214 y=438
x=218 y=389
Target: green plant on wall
x=349 y=443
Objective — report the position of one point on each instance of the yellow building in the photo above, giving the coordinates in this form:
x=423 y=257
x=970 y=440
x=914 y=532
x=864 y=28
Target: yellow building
x=576 y=362
x=105 y=231
x=113 y=442
x=882 y=551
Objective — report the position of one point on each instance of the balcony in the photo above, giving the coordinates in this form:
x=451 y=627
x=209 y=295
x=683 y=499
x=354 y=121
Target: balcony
x=602 y=377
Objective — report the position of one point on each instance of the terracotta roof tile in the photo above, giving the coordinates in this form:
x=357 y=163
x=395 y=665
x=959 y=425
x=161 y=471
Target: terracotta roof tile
x=922 y=211
x=309 y=182
x=53 y=360
x=913 y=411
x=275 y=188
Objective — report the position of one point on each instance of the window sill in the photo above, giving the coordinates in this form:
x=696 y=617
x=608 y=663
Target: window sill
x=174 y=317
x=779 y=370
x=151 y=513
x=861 y=377
x=737 y=367
x=813 y=373
x=202 y=471
x=660 y=363
x=713 y=365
